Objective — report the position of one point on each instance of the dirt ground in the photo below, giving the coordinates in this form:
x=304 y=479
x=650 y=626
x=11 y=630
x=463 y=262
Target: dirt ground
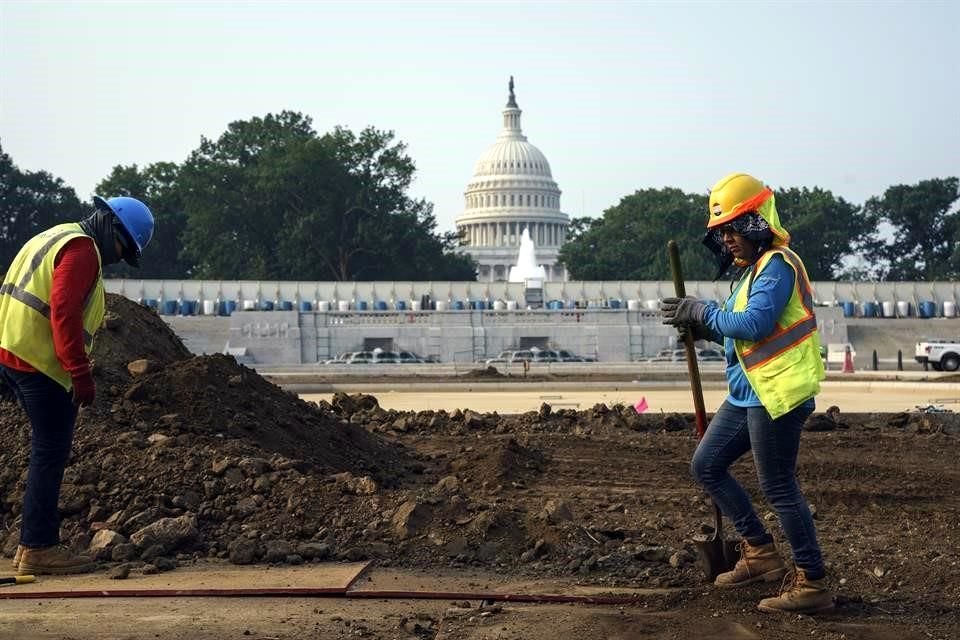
x=199 y=462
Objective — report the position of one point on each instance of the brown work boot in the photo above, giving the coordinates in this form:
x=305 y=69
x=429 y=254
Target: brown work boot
x=756 y=564
x=799 y=595
x=55 y=560
x=17 y=556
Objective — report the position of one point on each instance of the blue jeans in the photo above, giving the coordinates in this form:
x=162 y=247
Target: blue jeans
x=736 y=430
x=52 y=416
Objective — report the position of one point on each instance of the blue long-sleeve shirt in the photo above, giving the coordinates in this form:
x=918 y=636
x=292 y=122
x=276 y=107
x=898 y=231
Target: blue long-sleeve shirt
x=768 y=297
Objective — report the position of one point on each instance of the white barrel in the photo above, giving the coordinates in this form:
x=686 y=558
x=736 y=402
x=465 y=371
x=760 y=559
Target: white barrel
x=511 y=305
x=441 y=305
x=249 y=305
x=903 y=308
x=652 y=305
x=323 y=305
x=343 y=305
x=889 y=309
x=415 y=305
x=499 y=305
x=949 y=309
x=209 y=307
x=633 y=305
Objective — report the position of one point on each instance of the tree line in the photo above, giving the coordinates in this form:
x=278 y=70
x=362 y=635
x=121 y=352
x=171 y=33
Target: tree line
x=272 y=199
x=910 y=232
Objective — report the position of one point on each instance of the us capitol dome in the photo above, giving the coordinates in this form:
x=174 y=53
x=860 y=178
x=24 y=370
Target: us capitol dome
x=512 y=189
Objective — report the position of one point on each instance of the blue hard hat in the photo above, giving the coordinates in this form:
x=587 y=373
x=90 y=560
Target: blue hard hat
x=133 y=215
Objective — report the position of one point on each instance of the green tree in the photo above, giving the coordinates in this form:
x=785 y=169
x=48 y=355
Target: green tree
x=30 y=202
x=629 y=241
x=157 y=186
x=270 y=199
x=824 y=229
x=232 y=225
x=920 y=231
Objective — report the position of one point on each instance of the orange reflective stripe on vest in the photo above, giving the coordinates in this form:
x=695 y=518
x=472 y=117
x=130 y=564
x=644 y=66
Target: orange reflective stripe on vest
x=782 y=339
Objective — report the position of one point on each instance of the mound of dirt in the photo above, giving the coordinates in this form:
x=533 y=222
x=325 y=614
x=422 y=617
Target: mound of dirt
x=131 y=332
x=207 y=442
x=488 y=372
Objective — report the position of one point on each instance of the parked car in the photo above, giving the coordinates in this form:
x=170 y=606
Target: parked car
x=563 y=355
x=384 y=357
x=544 y=355
x=680 y=355
x=360 y=357
x=340 y=359
x=510 y=356
x=408 y=357
x=710 y=355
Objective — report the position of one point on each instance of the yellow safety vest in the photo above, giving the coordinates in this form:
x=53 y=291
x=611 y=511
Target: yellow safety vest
x=784 y=368
x=25 y=329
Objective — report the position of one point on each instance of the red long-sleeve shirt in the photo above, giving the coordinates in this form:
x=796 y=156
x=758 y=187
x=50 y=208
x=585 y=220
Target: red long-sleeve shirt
x=75 y=271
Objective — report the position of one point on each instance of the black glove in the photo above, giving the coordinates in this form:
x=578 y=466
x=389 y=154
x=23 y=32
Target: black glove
x=699 y=331
x=683 y=311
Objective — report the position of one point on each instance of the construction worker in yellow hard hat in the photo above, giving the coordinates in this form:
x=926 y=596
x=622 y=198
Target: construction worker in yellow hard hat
x=773 y=372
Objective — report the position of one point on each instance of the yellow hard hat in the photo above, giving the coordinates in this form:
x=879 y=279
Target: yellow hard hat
x=733 y=196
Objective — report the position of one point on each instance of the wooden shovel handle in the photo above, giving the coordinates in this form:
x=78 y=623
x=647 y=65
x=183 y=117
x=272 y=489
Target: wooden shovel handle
x=700 y=412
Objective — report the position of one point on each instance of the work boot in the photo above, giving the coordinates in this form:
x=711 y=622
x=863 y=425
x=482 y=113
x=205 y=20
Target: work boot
x=799 y=594
x=54 y=560
x=17 y=556
x=756 y=564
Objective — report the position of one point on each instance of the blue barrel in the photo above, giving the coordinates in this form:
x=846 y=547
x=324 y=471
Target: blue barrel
x=286 y=305
x=150 y=303
x=361 y=305
x=187 y=308
x=458 y=305
x=614 y=303
x=927 y=309
x=849 y=309
x=169 y=307
x=401 y=305
x=266 y=305
x=380 y=305
x=869 y=309
x=482 y=305
x=229 y=307
x=305 y=306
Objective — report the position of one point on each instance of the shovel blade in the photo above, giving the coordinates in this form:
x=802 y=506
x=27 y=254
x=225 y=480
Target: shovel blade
x=716 y=555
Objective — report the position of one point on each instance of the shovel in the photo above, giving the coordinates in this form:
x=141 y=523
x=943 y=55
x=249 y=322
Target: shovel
x=715 y=553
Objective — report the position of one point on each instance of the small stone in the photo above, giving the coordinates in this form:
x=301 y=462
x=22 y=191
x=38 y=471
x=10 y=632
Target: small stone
x=141 y=367
x=120 y=572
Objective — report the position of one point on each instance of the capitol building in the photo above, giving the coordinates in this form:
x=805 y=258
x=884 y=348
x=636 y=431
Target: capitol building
x=512 y=189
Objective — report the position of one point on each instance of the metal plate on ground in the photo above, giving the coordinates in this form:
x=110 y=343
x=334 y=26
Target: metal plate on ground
x=203 y=579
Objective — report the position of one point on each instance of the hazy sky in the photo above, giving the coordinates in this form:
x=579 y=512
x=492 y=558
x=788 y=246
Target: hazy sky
x=620 y=96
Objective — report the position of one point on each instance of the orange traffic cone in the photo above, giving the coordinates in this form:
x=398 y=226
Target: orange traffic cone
x=847 y=361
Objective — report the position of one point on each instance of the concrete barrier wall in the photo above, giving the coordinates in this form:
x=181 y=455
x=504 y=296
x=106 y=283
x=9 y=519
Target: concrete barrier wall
x=291 y=337
x=583 y=293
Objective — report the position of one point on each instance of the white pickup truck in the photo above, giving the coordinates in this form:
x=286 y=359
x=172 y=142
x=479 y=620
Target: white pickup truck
x=941 y=355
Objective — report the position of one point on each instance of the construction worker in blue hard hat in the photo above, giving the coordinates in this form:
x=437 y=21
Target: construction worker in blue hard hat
x=773 y=371
x=51 y=305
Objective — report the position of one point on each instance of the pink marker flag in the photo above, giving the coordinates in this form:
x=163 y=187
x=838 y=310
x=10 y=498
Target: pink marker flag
x=641 y=405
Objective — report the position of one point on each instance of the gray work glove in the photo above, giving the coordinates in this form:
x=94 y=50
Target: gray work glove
x=683 y=312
